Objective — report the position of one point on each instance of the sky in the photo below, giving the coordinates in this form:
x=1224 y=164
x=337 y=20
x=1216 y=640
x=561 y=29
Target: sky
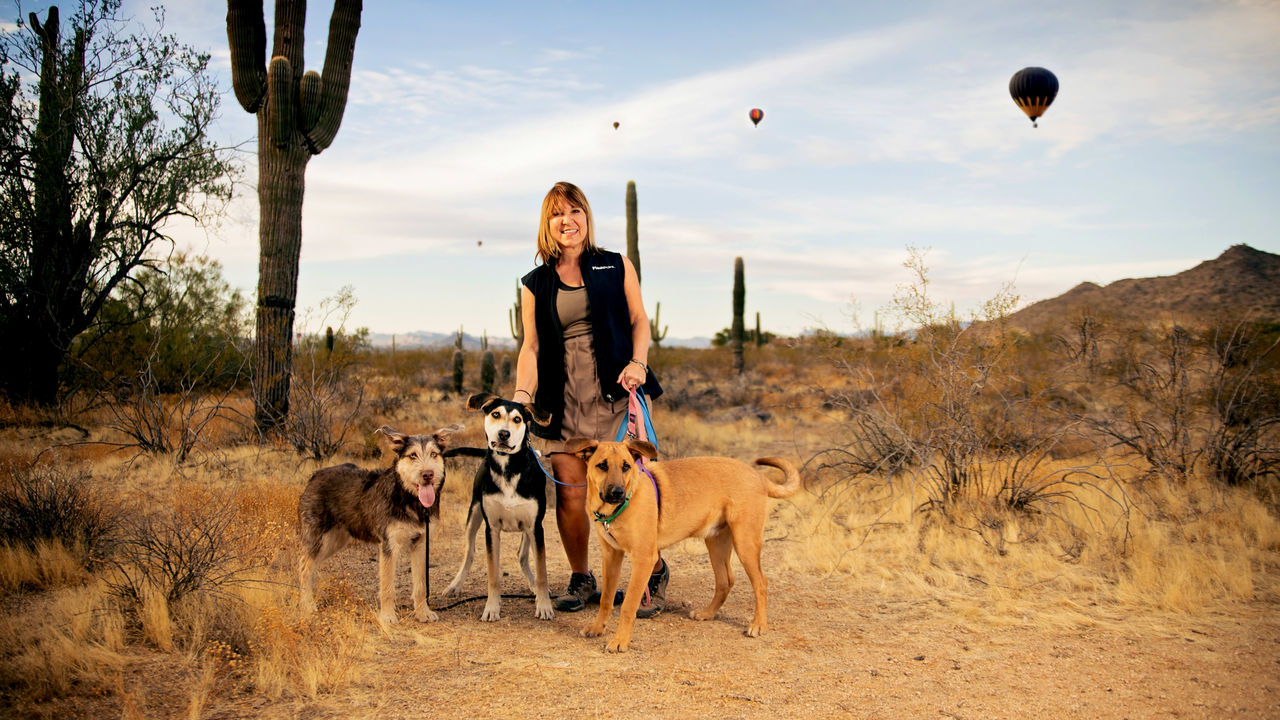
x=887 y=126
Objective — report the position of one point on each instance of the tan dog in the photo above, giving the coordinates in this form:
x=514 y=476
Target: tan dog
x=722 y=500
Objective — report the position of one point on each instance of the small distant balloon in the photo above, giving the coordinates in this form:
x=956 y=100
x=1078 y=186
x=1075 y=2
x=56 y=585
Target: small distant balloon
x=615 y=125
x=479 y=243
x=1033 y=89
x=756 y=115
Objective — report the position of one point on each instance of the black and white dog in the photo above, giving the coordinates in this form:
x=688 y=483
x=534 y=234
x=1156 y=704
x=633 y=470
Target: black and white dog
x=509 y=494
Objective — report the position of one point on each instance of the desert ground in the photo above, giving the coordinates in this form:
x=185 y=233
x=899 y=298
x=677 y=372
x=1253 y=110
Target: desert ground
x=1163 y=606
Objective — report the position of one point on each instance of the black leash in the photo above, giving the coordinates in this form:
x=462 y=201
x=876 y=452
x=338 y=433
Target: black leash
x=473 y=598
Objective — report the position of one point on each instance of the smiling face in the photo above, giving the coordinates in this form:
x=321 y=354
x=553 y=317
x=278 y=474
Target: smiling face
x=568 y=228
x=565 y=217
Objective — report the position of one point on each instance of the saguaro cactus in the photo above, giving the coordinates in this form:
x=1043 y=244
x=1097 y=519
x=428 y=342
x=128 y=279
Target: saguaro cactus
x=516 y=319
x=458 y=367
x=739 y=302
x=298 y=117
x=633 y=232
x=654 y=322
x=488 y=371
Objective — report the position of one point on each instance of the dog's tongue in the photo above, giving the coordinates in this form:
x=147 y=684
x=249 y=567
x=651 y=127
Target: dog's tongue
x=427 y=494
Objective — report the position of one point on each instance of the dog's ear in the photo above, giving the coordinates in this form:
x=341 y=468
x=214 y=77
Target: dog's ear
x=540 y=416
x=582 y=447
x=442 y=435
x=392 y=441
x=479 y=400
x=640 y=448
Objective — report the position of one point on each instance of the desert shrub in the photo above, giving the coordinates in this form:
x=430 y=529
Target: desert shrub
x=180 y=324
x=1189 y=402
x=327 y=393
x=1244 y=438
x=941 y=402
x=176 y=553
x=40 y=503
x=158 y=422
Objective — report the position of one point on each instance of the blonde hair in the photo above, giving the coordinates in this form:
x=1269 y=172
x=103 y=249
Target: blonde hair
x=563 y=193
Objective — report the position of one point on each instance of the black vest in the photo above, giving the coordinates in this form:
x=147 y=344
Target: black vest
x=603 y=274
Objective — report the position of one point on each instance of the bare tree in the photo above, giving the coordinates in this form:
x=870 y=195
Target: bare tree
x=103 y=142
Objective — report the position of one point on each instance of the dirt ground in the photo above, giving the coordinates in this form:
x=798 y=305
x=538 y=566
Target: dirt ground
x=834 y=649
x=829 y=653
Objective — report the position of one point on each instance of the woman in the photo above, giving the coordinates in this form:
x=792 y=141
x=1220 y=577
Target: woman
x=586 y=344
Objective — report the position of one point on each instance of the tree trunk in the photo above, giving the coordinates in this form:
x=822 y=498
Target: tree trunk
x=281 y=183
x=51 y=314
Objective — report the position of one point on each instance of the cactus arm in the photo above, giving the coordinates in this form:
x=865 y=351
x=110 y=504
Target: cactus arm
x=247 y=37
x=280 y=107
x=633 y=230
x=654 y=322
x=515 y=318
x=291 y=21
x=335 y=80
x=309 y=101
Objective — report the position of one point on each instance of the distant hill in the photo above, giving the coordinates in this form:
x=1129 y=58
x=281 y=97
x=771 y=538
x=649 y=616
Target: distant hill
x=426 y=339
x=1240 y=282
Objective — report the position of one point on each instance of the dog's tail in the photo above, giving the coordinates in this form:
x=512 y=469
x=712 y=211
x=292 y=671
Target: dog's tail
x=790 y=485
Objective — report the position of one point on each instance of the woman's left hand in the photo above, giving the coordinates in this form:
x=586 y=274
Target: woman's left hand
x=631 y=377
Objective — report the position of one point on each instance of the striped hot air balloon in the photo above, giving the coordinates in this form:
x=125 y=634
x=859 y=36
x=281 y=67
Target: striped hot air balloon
x=1033 y=89
x=756 y=115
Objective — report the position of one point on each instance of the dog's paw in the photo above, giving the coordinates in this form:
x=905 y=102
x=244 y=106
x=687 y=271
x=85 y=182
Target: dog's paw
x=593 y=630
x=425 y=614
x=754 y=630
x=453 y=591
x=618 y=646
x=701 y=615
x=388 y=618
x=544 y=611
x=492 y=613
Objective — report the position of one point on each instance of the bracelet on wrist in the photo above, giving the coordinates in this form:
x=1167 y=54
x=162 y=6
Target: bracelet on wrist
x=642 y=365
x=526 y=392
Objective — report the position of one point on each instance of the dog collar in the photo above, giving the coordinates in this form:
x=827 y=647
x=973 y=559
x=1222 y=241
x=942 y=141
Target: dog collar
x=607 y=520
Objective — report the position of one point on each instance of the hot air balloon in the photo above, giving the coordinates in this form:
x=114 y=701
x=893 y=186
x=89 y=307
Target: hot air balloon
x=1033 y=89
x=615 y=125
x=756 y=115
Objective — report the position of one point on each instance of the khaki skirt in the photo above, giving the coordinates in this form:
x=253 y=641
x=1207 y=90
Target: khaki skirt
x=586 y=413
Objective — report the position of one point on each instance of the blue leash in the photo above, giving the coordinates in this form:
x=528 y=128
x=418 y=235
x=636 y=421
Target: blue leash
x=538 y=459
x=644 y=418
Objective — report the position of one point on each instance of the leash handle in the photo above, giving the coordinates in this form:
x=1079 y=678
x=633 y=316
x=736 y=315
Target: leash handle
x=639 y=424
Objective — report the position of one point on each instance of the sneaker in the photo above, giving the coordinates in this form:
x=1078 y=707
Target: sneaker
x=581 y=587
x=655 y=597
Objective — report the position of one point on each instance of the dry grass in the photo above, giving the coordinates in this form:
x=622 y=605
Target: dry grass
x=1120 y=552
x=49 y=565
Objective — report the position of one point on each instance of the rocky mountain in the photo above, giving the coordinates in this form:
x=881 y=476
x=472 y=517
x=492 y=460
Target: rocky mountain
x=1242 y=281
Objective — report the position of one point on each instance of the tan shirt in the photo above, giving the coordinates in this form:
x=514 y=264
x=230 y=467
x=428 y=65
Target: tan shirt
x=574 y=311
